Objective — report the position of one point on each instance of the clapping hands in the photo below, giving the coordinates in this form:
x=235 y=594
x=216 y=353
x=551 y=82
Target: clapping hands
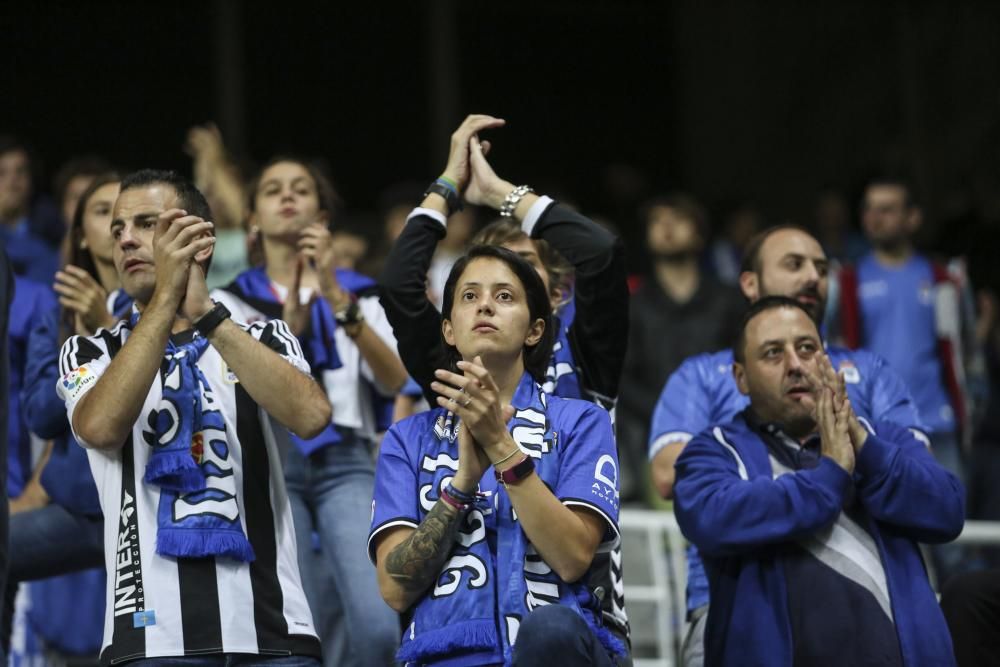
x=841 y=434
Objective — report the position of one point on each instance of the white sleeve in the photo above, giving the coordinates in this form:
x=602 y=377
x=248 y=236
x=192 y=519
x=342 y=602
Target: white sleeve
x=276 y=335
x=82 y=360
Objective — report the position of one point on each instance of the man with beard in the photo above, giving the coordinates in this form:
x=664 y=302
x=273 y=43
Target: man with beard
x=909 y=309
x=679 y=311
x=780 y=261
x=808 y=516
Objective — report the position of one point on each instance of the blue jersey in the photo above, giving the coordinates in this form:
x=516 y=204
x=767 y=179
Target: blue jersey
x=702 y=393
x=898 y=316
x=573 y=449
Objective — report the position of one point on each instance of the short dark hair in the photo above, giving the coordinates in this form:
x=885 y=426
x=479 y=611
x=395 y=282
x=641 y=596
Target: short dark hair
x=751 y=254
x=536 y=357
x=896 y=181
x=756 y=308
x=685 y=206
x=189 y=197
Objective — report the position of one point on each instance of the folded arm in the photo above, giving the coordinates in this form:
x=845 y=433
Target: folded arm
x=722 y=513
x=901 y=484
x=282 y=390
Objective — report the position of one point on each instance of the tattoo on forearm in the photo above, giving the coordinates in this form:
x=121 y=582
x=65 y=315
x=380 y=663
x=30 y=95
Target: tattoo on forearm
x=415 y=562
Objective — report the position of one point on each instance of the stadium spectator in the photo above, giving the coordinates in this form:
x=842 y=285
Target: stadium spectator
x=349 y=346
x=30 y=226
x=808 y=517
x=677 y=312
x=56 y=524
x=784 y=261
x=910 y=310
x=590 y=326
x=461 y=503
x=200 y=546
x=72 y=179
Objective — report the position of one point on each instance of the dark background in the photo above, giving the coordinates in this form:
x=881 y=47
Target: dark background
x=606 y=102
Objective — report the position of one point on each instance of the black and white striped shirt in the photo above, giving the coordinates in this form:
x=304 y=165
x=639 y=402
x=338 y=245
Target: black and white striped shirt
x=165 y=606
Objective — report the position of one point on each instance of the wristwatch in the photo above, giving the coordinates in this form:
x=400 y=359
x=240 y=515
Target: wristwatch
x=206 y=323
x=349 y=314
x=451 y=198
x=516 y=472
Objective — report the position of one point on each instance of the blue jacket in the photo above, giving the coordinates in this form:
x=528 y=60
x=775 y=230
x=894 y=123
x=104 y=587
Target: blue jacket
x=739 y=516
x=67 y=477
x=702 y=393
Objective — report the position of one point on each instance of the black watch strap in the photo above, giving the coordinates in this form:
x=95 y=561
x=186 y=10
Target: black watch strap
x=453 y=201
x=350 y=314
x=206 y=323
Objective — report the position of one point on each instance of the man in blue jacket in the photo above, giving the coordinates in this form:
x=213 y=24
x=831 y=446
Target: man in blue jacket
x=783 y=260
x=808 y=517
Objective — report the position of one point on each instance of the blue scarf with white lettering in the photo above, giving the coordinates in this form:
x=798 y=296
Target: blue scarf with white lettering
x=482 y=594
x=197 y=515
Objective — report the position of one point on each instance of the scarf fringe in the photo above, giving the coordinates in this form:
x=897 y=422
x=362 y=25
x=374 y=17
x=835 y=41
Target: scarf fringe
x=454 y=638
x=188 y=543
x=175 y=471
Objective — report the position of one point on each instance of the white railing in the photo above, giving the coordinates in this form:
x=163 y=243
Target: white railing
x=665 y=581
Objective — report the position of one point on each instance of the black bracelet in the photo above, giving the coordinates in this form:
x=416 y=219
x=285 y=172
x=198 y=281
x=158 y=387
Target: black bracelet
x=207 y=323
x=451 y=198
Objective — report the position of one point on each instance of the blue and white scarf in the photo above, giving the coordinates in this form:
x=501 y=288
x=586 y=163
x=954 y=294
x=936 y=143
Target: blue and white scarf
x=187 y=433
x=480 y=597
x=254 y=287
x=562 y=377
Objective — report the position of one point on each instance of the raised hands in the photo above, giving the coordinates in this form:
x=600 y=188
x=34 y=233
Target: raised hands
x=475 y=398
x=485 y=187
x=80 y=293
x=316 y=247
x=458 y=168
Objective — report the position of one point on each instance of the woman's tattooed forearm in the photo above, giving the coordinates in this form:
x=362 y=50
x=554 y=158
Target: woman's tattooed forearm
x=415 y=562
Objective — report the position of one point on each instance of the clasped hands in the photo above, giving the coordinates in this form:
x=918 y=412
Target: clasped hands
x=482 y=436
x=180 y=243
x=316 y=249
x=841 y=434
x=467 y=166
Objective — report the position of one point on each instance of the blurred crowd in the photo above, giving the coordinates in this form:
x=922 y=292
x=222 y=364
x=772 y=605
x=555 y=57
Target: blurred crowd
x=690 y=279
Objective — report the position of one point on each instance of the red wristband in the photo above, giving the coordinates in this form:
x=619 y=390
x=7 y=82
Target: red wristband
x=516 y=472
x=454 y=502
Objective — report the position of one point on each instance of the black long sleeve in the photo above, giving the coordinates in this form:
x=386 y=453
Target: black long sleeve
x=599 y=332
x=415 y=321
